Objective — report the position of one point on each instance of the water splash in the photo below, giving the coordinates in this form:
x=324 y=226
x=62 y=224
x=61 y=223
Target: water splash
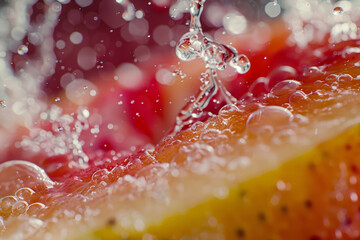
x=216 y=56
x=129 y=9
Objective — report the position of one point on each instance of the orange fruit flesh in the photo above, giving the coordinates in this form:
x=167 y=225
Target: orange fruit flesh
x=229 y=178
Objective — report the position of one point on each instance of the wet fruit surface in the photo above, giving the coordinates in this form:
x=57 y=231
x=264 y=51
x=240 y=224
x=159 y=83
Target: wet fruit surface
x=278 y=162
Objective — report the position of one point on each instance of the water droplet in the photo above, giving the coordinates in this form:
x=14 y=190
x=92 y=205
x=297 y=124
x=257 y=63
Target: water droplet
x=298 y=98
x=6 y=204
x=331 y=78
x=60 y=129
x=24 y=194
x=271 y=118
x=22 y=50
x=35 y=209
x=285 y=87
x=19 y=208
x=129 y=9
x=334 y=85
x=338 y=10
x=228 y=110
x=214 y=56
x=2 y=104
x=241 y=64
x=17 y=174
x=189 y=46
x=345 y=78
x=57 y=99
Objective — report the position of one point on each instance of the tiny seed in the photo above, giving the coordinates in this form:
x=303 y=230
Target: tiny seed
x=111 y=221
x=308 y=204
x=261 y=216
x=240 y=233
x=284 y=209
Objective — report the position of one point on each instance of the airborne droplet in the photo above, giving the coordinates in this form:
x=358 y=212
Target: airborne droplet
x=2 y=104
x=22 y=50
x=189 y=47
x=338 y=10
x=241 y=64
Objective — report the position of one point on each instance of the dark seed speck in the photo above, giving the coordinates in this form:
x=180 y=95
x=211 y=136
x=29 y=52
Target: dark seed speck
x=240 y=233
x=111 y=222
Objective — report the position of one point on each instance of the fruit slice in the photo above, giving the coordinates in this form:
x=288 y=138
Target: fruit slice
x=280 y=165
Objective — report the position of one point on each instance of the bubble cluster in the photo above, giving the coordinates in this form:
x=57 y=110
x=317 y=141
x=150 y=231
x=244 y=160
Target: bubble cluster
x=17 y=174
x=64 y=135
x=22 y=202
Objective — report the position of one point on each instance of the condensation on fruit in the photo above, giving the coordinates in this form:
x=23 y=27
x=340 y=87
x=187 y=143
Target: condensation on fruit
x=266 y=120
x=19 y=176
x=285 y=87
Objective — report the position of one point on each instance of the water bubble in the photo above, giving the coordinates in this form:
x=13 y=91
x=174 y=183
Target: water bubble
x=24 y=194
x=22 y=50
x=35 y=209
x=19 y=208
x=332 y=78
x=6 y=204
x=298 y=98
x=285 y=87
x=227 y=110
x=345 y=78
x=57 y=99
x=270 y=118
x=16 y=174
x=241 y=64
x=280 y=74
x=334 y=85
x=338 y=10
